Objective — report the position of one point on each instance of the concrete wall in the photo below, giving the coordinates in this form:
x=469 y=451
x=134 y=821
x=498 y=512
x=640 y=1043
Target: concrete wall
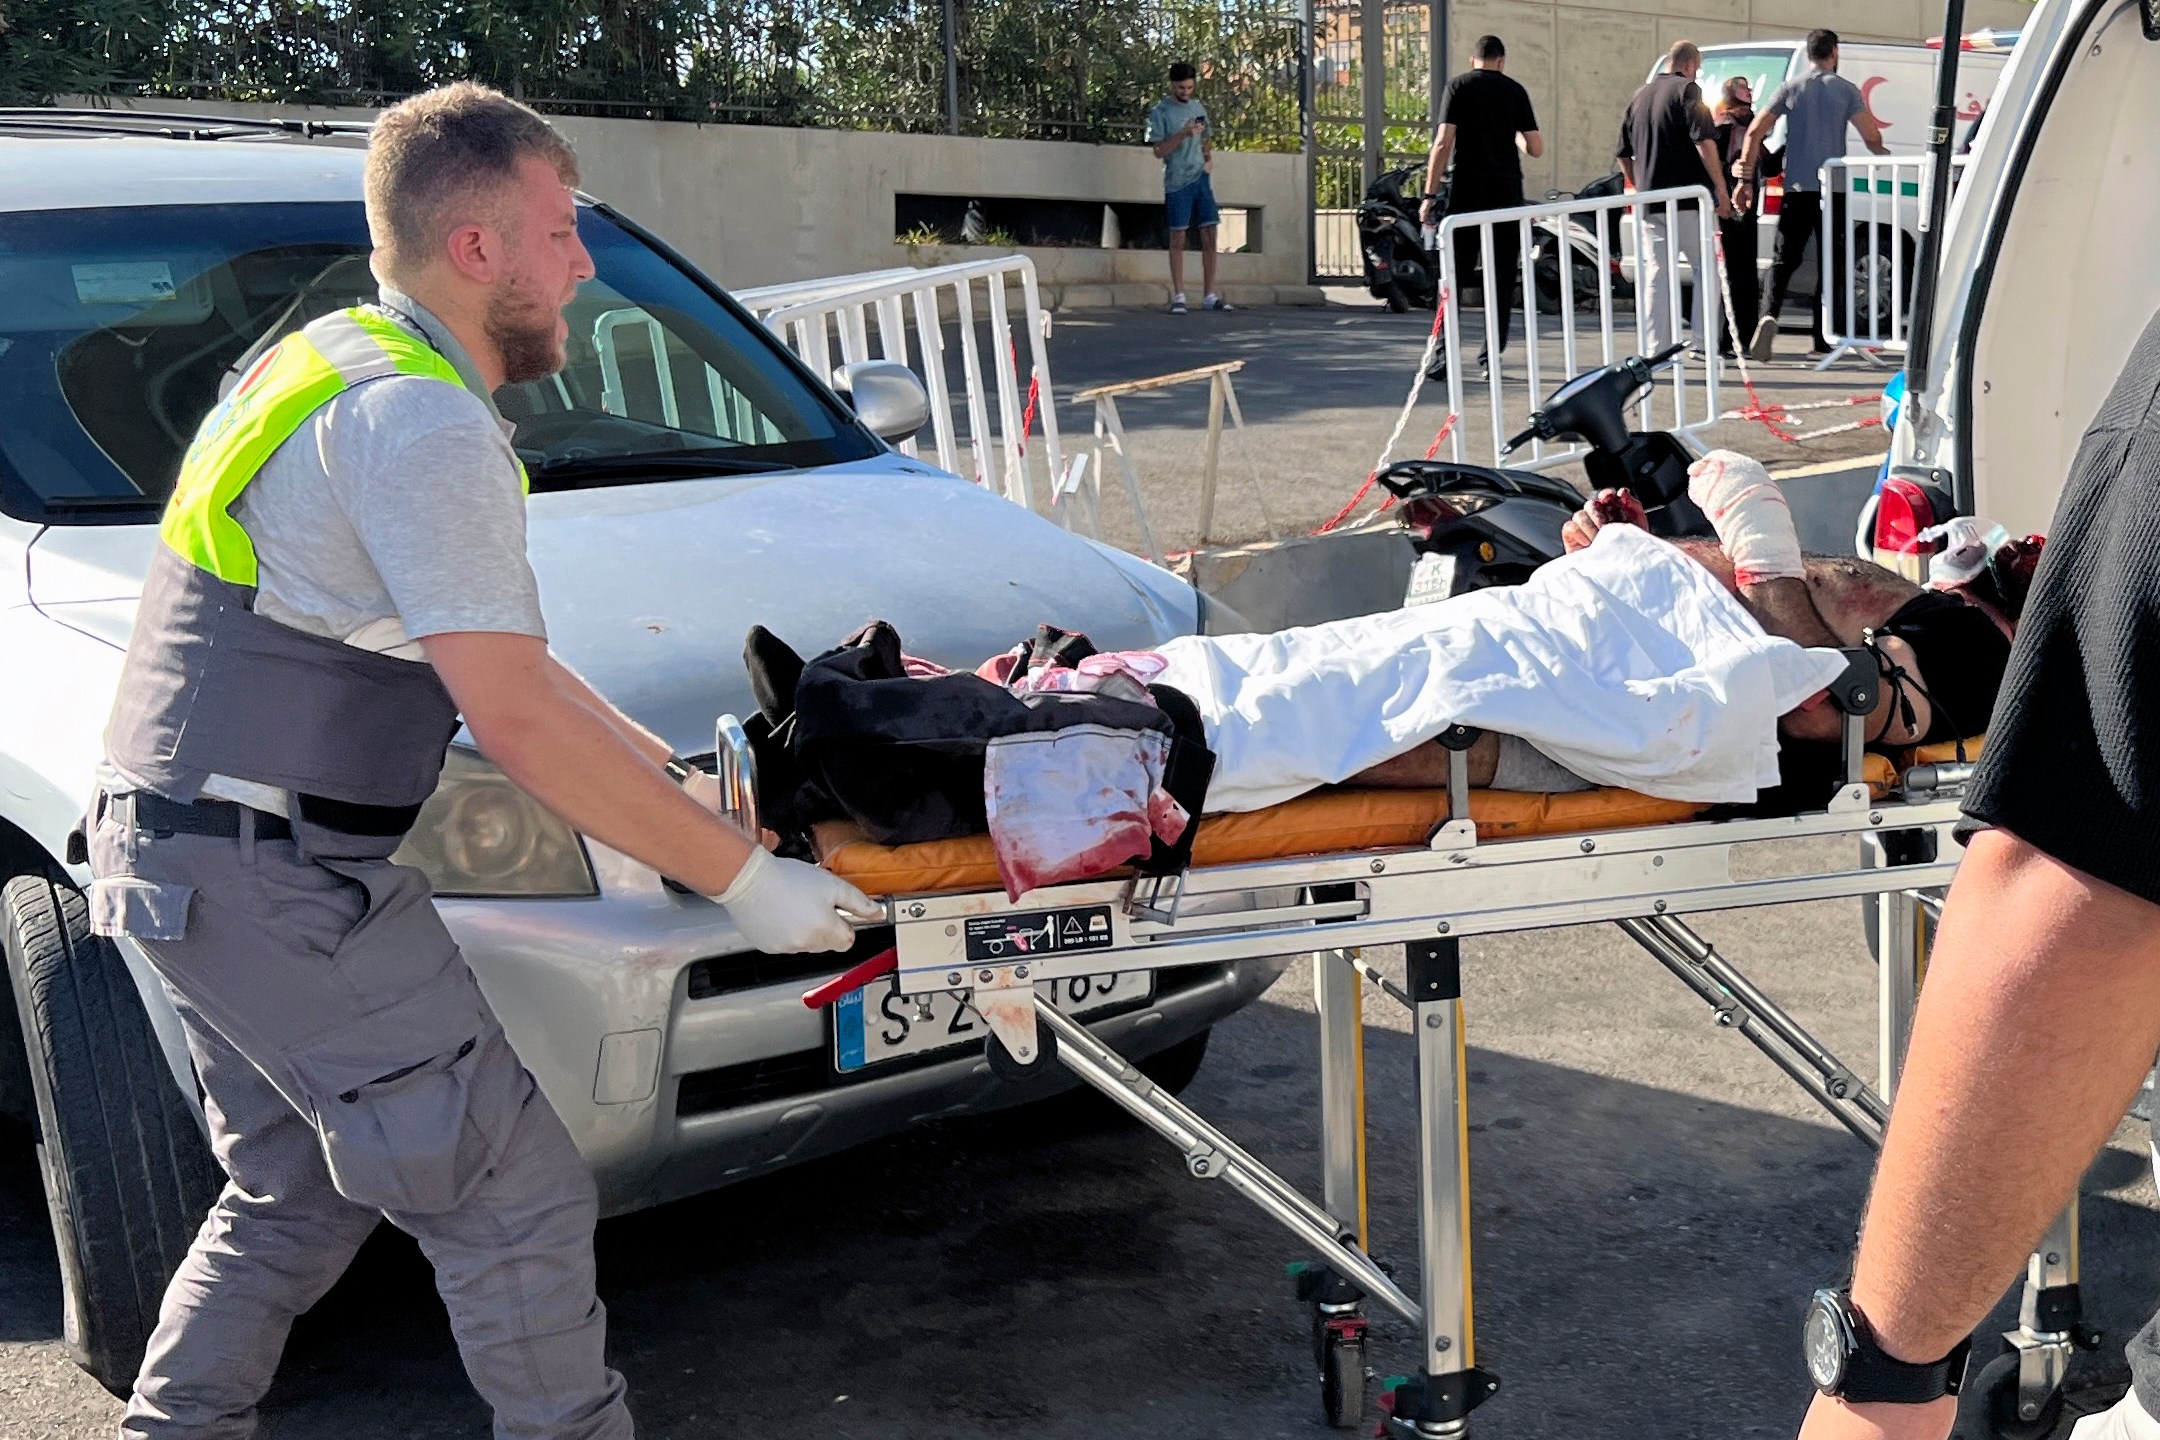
x=760 y=204
x=1581 y=60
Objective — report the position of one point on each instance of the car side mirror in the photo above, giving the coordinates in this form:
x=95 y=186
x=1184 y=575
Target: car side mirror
x=885 y=395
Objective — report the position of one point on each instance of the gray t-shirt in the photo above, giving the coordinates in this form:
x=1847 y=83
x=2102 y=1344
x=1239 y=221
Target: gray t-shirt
x=1184 y=165
x=396 y=512
x=1817 y=107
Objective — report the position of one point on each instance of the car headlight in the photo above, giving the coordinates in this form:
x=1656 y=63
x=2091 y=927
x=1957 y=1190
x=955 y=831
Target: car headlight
x=479 y=835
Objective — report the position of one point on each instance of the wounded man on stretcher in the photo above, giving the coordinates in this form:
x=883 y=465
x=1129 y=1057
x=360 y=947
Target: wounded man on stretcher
x=1669 y=669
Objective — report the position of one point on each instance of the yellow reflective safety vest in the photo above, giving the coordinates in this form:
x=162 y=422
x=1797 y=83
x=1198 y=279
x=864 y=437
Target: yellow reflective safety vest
x=210 y=687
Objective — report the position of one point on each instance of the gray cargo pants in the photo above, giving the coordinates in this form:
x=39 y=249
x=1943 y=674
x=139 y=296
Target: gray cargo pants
x=351 y=1070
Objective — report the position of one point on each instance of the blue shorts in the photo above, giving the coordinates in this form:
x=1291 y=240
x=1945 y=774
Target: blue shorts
x=1193 y=204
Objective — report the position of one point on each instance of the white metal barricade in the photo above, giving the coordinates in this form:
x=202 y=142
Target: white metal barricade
x=870 y=317
x=1569 y=264
x=1873 y=210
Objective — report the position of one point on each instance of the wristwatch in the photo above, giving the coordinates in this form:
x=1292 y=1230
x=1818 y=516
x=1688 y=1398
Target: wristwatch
x=678 y=771
x=1844 y=1360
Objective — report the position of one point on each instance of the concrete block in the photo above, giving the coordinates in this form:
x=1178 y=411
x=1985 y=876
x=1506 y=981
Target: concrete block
x=1300 y=295
x=1280 y=584
x=1141 y=296
x=1081 y=297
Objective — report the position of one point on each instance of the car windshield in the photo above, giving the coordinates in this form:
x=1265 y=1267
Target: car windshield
x=120 y=328
x=1765 y=71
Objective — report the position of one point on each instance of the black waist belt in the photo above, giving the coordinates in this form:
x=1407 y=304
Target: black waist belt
x=220 y=818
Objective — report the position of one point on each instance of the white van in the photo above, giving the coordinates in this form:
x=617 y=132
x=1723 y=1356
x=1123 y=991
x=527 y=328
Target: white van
x=1898 y=83
x=2048 y=277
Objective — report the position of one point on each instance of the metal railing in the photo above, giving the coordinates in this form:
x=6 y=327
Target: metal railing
x=903 y=315
x=1570 y=265
x=1034 y=69
x=1871 y=223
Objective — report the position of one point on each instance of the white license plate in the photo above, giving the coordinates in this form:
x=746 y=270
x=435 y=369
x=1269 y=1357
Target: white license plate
x=878 y=1023
x=1432 y=578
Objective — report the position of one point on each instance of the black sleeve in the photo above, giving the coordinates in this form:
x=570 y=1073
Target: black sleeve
x=2072 y=764
x=1700 y=126
x=1625 y=150
x=1448 y=102
x=1526 y=118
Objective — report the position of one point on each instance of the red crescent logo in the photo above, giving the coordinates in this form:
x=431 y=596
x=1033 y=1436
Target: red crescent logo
x=1867 y=98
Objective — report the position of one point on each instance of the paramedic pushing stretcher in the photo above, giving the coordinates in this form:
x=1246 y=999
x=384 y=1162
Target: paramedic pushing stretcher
x=2041 y=1010
x=342 y=574
x=1941 y=655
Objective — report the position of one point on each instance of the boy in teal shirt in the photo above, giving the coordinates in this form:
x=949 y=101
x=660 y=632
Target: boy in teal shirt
x=1177 y=132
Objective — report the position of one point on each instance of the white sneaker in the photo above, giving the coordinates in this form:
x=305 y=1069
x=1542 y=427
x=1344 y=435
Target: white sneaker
x=1177 y=304
x=1216 y=302
x=1759 y=345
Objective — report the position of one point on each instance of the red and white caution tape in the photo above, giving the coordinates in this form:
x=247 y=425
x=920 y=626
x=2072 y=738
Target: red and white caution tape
x=1402 y=421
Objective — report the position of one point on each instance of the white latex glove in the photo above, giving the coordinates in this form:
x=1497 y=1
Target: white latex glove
x=784 y=907
x=1750 y=514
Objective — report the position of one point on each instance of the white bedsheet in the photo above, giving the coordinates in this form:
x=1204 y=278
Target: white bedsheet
x=1625 y=662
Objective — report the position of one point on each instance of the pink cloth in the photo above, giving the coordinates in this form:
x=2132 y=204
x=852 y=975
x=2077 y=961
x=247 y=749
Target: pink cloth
x=1070 y=804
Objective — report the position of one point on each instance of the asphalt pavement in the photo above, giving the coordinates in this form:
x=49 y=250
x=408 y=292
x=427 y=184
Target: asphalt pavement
x=1652 y=1199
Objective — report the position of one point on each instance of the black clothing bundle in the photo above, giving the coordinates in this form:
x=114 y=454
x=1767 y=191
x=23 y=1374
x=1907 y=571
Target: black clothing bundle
x=851 y=733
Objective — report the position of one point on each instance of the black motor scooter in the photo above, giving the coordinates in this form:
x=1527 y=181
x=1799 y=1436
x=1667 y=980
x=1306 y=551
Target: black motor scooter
x=1474 y=526
x=1398 y=268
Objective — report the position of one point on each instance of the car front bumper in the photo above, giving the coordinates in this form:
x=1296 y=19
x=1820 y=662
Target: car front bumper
x=679 y=1067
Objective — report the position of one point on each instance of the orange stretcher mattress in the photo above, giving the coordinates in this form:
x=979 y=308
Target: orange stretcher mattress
x=1325 y=822
x=1883 y=770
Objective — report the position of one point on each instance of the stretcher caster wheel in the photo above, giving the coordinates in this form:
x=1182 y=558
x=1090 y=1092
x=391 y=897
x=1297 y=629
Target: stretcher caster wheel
x=1342 y=1379
x=1995 y=1389
x=1007 y=1067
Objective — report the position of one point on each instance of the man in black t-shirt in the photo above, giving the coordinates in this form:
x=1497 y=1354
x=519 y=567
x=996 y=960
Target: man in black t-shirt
x=1484 y=116
x=2041 y=1011
x=1668 y=140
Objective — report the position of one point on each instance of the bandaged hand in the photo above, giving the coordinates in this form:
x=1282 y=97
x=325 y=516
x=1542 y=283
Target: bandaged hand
x=785 y=907
x=1607 y=507
x=1751 y=517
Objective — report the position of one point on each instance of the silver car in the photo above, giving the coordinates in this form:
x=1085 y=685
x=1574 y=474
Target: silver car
x=136 y=274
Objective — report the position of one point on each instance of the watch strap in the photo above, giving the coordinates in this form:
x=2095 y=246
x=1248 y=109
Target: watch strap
x=1874 y=1377
x=677 y=770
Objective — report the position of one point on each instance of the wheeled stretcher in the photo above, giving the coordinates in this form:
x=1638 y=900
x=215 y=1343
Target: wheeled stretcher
x=1332 y=873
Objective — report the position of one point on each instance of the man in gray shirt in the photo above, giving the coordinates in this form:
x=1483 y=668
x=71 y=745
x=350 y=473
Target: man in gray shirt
x=339 y=576
x=1817 y=107
x=1177 y=131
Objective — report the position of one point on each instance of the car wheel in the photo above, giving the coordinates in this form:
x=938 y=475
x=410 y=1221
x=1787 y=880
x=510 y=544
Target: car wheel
x=1176 y=1067
x=1882 y=280
x=128 y=1175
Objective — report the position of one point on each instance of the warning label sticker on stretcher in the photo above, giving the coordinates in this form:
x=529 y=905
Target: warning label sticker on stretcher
x=1039 y=932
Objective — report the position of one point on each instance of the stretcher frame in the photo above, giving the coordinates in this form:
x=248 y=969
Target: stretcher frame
x=1428 y=899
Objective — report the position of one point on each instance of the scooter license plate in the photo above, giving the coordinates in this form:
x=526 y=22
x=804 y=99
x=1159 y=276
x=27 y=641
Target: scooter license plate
x=1432 y=578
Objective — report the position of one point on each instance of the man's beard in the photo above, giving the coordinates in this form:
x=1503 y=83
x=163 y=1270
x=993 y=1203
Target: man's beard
x=523 y=334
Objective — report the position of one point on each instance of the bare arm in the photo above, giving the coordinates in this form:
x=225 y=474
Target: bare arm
x=1714 y=166
x=1870 y=133
x=1177 y=137
x=1533 y=144
x=540 y=723
x=1436 y=164
x=2040 y=1014
x=636 y=736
